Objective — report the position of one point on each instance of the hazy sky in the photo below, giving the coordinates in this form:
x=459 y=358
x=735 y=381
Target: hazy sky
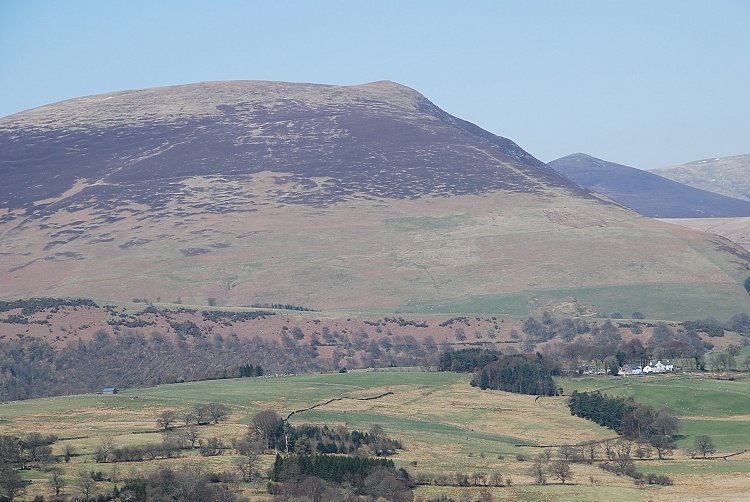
x=641 y=83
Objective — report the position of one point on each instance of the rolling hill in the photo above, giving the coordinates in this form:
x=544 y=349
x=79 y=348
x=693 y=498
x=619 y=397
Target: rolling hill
x=647 y=193
x=728 y=176
x=366 y=198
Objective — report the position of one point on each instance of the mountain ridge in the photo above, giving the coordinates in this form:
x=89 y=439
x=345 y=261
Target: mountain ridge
x=728 y=176
x=647 y=193
x=238 y=193
x=284 y=116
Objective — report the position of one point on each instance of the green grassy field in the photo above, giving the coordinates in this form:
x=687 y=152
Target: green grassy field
x=718 y=408
x=444 y=424
x=656 y=301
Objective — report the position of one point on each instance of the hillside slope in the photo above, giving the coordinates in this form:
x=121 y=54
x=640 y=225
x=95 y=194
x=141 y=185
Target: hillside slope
x=647 y=193
x=728 y=176
x=363 y=197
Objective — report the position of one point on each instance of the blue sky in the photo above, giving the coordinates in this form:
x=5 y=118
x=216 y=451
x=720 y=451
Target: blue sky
x=641 y=83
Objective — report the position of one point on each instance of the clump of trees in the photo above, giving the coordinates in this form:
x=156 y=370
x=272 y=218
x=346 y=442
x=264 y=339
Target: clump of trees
x=635 y=421
x=466 y=360
x=275 y=433
x=518 y=373
x=496 y=371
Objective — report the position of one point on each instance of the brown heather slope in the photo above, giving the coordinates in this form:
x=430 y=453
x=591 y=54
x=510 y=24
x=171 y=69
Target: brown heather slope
x=350 y=198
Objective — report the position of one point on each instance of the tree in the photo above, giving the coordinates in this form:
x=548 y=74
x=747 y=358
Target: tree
x=56 y=482
x=704 y=445
x=10 y=449
x=247 y=463
x=104 y=450
x=191 y=435
x=166 y=420
x=384 y=482
x=747 y=285
x=211 y=447
x=380 y=443
x=68 y=452
x=725 y=360
x=86 y=484
x=666 y=423
x=11 y=482
x=189 y=418
x=566 y=451
x=664 y=445
x=268 y=425
x=199 y=413
x=217 y=412
x=561 y=470
x=538 y=470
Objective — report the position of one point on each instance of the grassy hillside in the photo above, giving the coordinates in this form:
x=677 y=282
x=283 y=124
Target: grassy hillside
x=445 y=425
x=724 y=175
x=364 y=198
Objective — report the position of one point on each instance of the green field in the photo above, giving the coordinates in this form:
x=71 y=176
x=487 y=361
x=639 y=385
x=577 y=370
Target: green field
x=655 y=301
x=444 y=424
x=718 y=408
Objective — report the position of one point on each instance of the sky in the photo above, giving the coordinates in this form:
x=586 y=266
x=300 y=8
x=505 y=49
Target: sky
x=641 y=83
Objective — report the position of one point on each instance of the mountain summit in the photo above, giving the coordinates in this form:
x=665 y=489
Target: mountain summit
x=373 y=140
x=328 y=197
x=648 y=193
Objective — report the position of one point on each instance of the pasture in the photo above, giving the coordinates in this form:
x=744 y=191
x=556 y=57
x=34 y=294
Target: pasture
x=445 y=425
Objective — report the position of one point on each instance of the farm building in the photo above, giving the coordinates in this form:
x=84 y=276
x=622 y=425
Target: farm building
x=659 y=367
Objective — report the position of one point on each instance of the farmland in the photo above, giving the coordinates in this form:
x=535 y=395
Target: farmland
x=445 y=425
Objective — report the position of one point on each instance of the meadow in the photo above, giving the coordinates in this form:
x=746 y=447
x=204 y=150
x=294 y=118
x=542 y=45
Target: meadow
x=445 y=425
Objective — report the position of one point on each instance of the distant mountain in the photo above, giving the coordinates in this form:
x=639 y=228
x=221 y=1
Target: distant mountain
x=647 y=193
x=728 y=176
x=366 y=197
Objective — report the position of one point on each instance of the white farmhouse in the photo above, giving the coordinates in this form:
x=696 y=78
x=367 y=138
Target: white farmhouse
x=658 y=367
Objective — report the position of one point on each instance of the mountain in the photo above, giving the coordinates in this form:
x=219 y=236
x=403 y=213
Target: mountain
x=647 y=193
x=728 y=176
x=365 y=197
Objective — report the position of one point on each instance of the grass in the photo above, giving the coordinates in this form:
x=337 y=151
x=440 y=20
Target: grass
x=656 y=301
x=444 y=424
x=692 y=396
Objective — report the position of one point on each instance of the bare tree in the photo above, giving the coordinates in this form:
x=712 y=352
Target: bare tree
x=56 y=482
x=267 y=424
x=478 y=478
x=11 y=481
x=538 y=470
x=496 y=478
x=86 y=484
x=200 y=413
x=566 y=451
x=166 y=419
x=191 y=435
x=104 y=450
x=704 y=445
x=189 y=418
x=68 y=452
x=217 y=412
x=561 y=470
x=591 y=447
